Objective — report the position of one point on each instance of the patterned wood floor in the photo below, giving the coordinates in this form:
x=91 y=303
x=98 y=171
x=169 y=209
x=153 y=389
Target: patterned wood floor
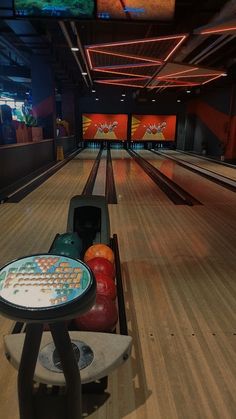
x=178 y=265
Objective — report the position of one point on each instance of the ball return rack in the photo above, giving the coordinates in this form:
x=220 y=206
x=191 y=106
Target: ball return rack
x=55 y=367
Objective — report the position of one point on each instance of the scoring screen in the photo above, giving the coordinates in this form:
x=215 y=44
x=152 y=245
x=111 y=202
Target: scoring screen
x=153 y=127
x=105 y=126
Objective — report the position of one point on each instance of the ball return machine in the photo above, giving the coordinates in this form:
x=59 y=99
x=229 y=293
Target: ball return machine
x=54 y=366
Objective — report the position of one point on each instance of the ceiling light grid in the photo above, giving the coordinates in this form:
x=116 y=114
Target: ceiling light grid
x=139 y=60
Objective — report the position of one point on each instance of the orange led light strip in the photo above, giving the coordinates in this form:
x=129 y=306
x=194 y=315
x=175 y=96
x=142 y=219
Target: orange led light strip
x=179 y=72
x=233 y=28
x=214 y=78
x=120 y=82
x=198 y=75
x=89 y=59
x=167 y=79
x=172 y=85
x=130 y=65
x=121 y=72
x=132 y=57
x=142 y=41
x=176 y=46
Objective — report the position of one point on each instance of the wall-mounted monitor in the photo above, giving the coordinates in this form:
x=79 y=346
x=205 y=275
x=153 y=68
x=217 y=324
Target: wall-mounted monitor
x=6 y=8
x=105 y=126
x=74 y=9
x=161 y=10
x=153 y=127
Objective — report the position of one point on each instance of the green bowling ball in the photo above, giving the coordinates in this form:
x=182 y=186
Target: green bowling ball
x=71 y=239
x=65 y=250
x=67 y=244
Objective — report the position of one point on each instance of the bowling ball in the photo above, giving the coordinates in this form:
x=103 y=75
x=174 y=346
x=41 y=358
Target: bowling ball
x=102 y=317
x=101 y=265
x=99 y=250
x=71 y=239
x=65 y=250
x=105 y=286
x=68 y=244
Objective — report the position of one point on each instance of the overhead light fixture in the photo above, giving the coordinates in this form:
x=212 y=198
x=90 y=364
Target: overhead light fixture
x=224 y=74
x=178 y=100
x=122 y=100
x=153 y=100
x=188 y=91
x=84 y=73
x=93 y=91
x=123 y=94
x=96 y=98
x=75 y=49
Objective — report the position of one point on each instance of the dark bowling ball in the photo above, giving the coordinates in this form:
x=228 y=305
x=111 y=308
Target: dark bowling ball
x=102 y=317
x=65 y=243
x=65 y=250
x=101 y=265
x=105 y=285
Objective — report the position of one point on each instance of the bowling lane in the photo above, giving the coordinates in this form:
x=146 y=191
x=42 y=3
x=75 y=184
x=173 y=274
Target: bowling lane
x=100 y=183
x=178 y=265
x=201 y=188
x=129 y=173
x=218 y=168
x=30 y=225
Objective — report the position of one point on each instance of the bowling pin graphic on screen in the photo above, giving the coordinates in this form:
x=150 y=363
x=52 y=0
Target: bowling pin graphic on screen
x=106 y=130
x=155 y=131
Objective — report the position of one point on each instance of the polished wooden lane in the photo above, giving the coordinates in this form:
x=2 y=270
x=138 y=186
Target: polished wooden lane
x=100 y=183
x=178 y=265
x=213 y=166
x=179 y=268
x=206 y=191
x=29 y=227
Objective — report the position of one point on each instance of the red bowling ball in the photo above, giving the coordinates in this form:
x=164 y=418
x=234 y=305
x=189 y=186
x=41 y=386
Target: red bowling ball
x=101 y=265
x=105 y=286
x=102 y=317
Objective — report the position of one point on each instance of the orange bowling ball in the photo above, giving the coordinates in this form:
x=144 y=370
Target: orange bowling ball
x=99 y=250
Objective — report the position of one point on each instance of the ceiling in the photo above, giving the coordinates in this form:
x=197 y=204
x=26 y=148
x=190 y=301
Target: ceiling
x=153 y=57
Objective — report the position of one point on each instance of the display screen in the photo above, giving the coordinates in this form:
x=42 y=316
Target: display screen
x=105 y=127
x=162 y=10
x=81 y=9
x=153 y=127
x=6 y=8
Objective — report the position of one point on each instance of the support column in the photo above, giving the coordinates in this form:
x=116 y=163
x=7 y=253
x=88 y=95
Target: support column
x=68 y=108
x=43 y=95
x=230 y=152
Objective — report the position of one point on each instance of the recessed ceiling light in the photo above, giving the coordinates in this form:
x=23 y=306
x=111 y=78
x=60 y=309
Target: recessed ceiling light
x=93 y=91
x=188 y=91
x=122 y=100
x=178 y=100
x=96 y=98
x=74 y=49
x=153 y=100
x=84 y=73
x=123 y=94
